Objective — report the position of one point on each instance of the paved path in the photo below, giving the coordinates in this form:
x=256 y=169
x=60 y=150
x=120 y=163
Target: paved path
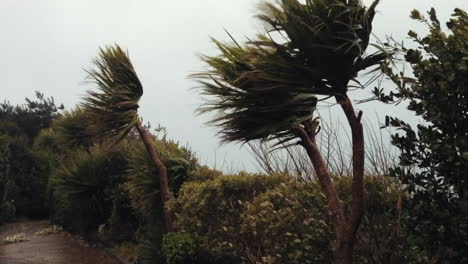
x=61 y=248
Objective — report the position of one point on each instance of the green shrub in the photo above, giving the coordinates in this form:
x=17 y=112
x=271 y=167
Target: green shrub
x=179 y=248
x=123 y=222
x=291 y=224
x=7 y=211
x=143 y=181
x=211 y=210
x=204 y=173
x=83 y=188
x=274 y=219
x=287 y=224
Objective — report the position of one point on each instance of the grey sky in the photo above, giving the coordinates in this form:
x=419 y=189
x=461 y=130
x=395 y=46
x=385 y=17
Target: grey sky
x=46 y=44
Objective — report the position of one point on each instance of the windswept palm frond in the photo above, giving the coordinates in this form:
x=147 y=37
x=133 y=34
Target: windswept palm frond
x=328 y=35
x=258 y=92
x=112 y=110
x=262 y=88
x=70 y=129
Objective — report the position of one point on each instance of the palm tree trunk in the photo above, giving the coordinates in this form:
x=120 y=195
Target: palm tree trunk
x=345 y=228
x=325 y=181
x=345 y=248
x=162 y=173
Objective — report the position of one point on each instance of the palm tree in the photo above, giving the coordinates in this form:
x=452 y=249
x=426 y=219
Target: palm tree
x=269 y=87
x=112 y=110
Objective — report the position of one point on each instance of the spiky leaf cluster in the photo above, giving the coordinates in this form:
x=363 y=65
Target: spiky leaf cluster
x=264 y=87
x=143 y=186
x=71 y=129
x=112 y=110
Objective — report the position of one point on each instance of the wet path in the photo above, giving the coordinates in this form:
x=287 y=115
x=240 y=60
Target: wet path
x=61 y=248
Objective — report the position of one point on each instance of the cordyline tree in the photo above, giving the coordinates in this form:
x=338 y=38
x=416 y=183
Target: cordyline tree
x=437 y=91
x=267 y=89
x=112 y=110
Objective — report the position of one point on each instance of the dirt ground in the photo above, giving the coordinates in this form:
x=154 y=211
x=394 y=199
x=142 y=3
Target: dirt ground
x=61 y=248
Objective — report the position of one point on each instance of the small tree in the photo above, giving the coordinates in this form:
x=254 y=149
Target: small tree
x=438 y=148
x=112 y=111
x=267 y=89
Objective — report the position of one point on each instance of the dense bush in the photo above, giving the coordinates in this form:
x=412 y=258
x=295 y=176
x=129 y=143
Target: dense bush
x=211 y=210
x=7 y=211
x=287 y=224
x=275 y=219
x=83 y=188
x=123 y=221
x=179 y=248
x=21 y=179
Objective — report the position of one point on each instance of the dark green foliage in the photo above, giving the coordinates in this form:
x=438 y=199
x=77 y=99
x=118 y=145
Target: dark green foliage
x=7 y=211
x=30 y=118
x=143 y=183
x=179 y=248
x=21 y=178
x=263 y=88
x=123 y=221
x=70 y=129
x=112 y=111
x=437 y=214
x=23 y=181
x=83 y=188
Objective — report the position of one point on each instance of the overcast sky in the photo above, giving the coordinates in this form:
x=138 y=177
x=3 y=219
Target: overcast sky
x=46 y=44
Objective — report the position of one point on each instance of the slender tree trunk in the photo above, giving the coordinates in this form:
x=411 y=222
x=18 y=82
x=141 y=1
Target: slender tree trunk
x=162 y=173
x=323 y=176
x=345 y=228
x=345 y=248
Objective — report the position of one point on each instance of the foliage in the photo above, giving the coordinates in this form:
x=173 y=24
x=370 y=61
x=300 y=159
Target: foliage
x=287 y=224
x=83 y=187
x=30 y=118
x=21 y=177
x=123 y=221
x=438 y=148
x=260 y=90
x=112 y=111
x=211 y=210
x=290 y=224
x=142 y=183
x=280 y=220
x=204 y=173
x=7 y=211
x=179 y=248
x=71 y=130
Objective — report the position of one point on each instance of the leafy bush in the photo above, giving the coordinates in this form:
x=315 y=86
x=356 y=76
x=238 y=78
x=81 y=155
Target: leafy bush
x=211 y=210
x=438 y=147
x=20 y=175
x=7 y=211
x=123 y=222
x=263 y=219
x=204 y=173
x=178 y=248
x=287 y=224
